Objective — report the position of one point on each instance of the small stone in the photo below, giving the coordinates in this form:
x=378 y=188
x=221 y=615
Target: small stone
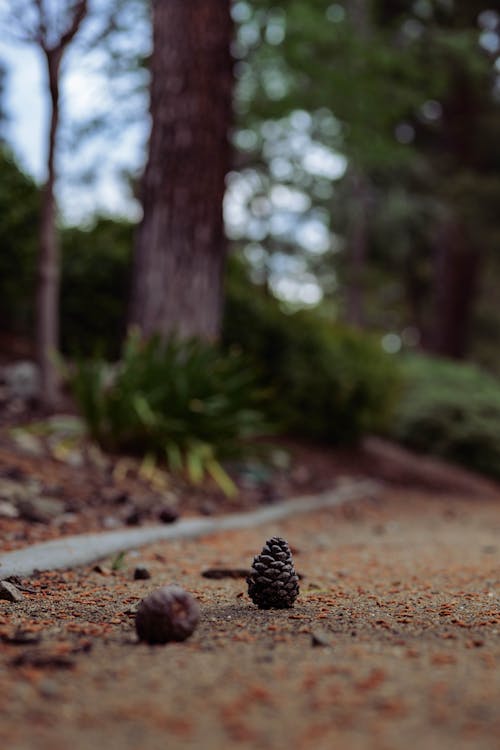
x=208 y=508
x=12 y=490
x=97 y=458
x=141 y=574
x=218 y=573
x=9 y=592
x=48 y=689
x=269 y=493
x=22 y=379
x=167 y=614
x=14 y=472
x=66 y=455
x=7 y=510
x=22 y=638
x=110 y=522
x=41 y=509
x=320 y=638
x=168 y=514
x=38 y=659
x=115 y=495
x=301 y=474
x=29 y=444
x=134 y=518
x=101 y=570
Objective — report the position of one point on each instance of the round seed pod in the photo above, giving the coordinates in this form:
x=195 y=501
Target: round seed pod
x=167 y=614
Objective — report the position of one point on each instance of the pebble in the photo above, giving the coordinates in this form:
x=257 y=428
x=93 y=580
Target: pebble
x=48 y=689
x=320 y=638
x=141 y=574
x=13 y=490
x=29 y=444
x=110 y=522
x=10 y=592
x=168 y=514
x=41 y=509
x=7 y=510
x=114 y=495
x=134 y=517
x=22 y=379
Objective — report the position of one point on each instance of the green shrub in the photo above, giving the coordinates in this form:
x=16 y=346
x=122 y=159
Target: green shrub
x=183 y=401
x=94 y=287
x=329 y=383
x=451 y=410
x=19 y=220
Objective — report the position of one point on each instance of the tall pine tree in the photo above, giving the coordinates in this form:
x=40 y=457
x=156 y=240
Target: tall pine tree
x=180 y=245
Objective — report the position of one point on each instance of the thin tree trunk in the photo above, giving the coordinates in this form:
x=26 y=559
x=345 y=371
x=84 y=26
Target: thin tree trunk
x=357 y=249
x=360 y=15
x=47 y=307
x=415 y=295
x=180 y=246
x=52 y=39
x=458 y=258
x=457 y=272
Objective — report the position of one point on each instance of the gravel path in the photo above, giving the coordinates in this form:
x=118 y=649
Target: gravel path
x=81 y=549
x=394 y=642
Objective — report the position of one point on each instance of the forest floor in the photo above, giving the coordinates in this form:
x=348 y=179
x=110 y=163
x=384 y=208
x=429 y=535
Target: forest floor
x=393 y=643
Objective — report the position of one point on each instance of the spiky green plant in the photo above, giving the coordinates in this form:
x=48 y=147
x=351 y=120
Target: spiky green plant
x=182 y=401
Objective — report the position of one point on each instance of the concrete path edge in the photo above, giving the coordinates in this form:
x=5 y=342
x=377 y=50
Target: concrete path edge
x=82 y=549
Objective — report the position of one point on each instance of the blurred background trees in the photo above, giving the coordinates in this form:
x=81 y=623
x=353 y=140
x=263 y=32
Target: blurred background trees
x=408 y=93
x=360 y=205
x=52 y=28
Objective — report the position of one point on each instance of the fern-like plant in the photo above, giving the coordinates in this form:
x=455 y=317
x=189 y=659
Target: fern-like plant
x=181 y=400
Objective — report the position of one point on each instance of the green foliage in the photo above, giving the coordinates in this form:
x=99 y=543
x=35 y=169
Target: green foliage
x=94 y=287
x=182 y=401
x=329 y=383
x=95 y=269
x=119 y=561
x=335 y=56
x=451 y=410
x=19 y=217
x=403 y=90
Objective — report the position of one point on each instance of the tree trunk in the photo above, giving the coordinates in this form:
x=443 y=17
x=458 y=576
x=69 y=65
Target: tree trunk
x=416 y=299
x=180 y=245
x=457 y=258
x=357 y=249
x=360 y=15
x=47 y=306
x=457 y=272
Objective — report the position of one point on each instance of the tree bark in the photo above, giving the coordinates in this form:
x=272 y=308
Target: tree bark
x=357 y=249
x=52 y=43
x=458 y=256
x=457 y=272
x=360 y=15
x=47 y=307
x=180 y=245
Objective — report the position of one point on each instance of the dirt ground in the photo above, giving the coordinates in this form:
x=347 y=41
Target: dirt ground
x=393 y=643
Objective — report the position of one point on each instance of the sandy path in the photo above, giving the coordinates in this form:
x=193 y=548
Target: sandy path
x=404 y=588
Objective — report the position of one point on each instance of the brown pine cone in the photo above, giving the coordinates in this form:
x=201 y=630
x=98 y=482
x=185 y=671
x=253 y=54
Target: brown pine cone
x=273 y=584
x=167 y=614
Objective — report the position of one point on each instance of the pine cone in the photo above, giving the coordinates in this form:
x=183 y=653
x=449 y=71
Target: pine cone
x=273 y=583
x=167 y=614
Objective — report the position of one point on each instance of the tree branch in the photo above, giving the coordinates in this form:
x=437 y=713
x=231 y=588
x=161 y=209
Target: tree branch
x=79 y=13
x=41 y=34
